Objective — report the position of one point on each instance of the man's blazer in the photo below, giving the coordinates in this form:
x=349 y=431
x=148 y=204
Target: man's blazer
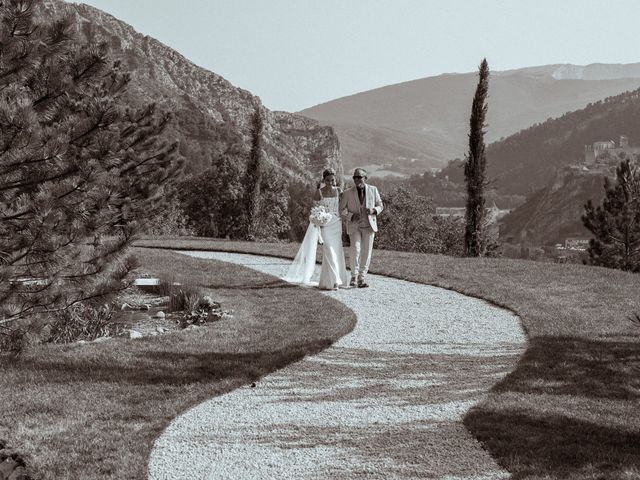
x=351 y=203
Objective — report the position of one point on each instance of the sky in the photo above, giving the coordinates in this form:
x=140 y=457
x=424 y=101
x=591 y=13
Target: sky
x=295 y=54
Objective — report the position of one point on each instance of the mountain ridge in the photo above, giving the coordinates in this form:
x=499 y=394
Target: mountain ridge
x=553 y=213
x=529 y=159
x=430 y=115
x=211 y=113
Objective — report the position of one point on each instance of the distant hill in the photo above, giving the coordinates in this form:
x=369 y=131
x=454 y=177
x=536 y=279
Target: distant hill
x=427 y=119
x=211 y=114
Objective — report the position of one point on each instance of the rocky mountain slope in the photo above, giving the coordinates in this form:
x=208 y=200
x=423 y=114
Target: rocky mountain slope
x=427 y=119
x=211 y=113
x=553 y=213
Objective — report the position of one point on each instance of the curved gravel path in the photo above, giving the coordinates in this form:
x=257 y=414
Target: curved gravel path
x=385 y=401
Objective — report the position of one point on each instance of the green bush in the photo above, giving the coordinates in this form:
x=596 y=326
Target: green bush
x=185 y=298
x=83 y=322
x=615 y=224
x=12 y=340
x=181 y=297
x=408 y=223
x=300 y=203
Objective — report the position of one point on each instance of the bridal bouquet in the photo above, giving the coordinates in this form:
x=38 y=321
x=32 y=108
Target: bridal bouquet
x=320 y=217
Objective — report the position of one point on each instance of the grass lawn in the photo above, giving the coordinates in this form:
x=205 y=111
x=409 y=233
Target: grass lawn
x=571 y=408
x=93 y=411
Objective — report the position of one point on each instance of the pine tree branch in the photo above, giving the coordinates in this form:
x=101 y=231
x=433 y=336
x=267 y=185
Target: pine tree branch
x=27 y=249
x=45 y=306
x=48 y=97
x=60 y=197
x=8 y=73
x=142 y=162
x=17 y=216
x=14 y=185
x=9 y=144
x=11 y=166
x=95 y=127
x=25 y=311
x=96 y=61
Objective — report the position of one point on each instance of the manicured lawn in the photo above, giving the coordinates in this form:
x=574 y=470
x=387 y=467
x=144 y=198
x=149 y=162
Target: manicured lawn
x=93 y=411
x=571 y=408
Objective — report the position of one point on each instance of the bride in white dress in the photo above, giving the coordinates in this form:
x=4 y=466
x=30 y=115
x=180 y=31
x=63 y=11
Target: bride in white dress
x=333 y=273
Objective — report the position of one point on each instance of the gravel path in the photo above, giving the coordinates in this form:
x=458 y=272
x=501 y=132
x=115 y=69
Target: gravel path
x=384 y=402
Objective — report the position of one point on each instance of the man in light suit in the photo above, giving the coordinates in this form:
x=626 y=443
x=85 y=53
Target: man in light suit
x=362 y=204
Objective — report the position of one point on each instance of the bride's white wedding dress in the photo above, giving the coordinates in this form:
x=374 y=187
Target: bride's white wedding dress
x=333 y=272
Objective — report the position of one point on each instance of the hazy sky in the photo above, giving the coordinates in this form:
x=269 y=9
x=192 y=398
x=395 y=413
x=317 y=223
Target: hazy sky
x=298 y=53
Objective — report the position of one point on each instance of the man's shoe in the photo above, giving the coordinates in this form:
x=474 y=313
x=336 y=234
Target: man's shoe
x=352 y=283
x=363 y=284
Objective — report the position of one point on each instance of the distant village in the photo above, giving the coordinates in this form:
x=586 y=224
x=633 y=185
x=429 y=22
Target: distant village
x=601 y=159
x=494 y=215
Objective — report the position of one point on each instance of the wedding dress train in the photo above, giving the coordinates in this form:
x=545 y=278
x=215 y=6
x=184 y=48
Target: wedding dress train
x=333 y=272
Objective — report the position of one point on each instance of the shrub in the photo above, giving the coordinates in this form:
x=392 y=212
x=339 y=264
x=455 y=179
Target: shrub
x=408 y=223
x=184 y=298
x=12 y=339
x=206 y=310
x=83 y=322
x=173 y=221
x=212 y=199
x=181 y=297
x=615 y=224
x=300 y=203
x=166 y=286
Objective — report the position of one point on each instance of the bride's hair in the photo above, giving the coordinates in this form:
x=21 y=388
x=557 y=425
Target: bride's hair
x=327 y=172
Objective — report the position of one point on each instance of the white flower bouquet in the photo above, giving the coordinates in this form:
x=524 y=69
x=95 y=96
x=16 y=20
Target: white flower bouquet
x=320 y=217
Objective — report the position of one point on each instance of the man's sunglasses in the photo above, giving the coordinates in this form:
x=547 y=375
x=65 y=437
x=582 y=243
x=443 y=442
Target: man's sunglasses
x=357 y=176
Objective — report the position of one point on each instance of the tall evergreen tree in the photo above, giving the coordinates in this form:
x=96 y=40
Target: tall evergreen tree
x=75 y=164
x=213 y=200
x=616 y=223
x=475 y=167
x=254 y=175
x=272 y=220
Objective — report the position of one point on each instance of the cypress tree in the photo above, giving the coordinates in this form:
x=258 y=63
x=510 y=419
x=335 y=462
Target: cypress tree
x=254 y=176
x=76 y=164
x=475 y=167
x=615 y=224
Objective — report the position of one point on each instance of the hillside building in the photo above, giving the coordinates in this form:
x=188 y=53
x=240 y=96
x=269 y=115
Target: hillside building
x=494 y=214
x=601 y=158
x=451 y=211
x=605 y=153
x=573 y=243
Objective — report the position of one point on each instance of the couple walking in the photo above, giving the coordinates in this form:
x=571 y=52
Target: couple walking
x=360 y=205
